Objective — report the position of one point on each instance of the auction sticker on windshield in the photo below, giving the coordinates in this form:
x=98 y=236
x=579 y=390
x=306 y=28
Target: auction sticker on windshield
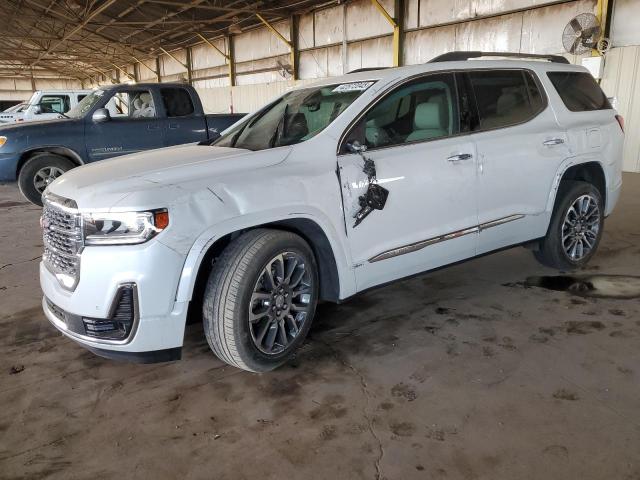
x=353 y=86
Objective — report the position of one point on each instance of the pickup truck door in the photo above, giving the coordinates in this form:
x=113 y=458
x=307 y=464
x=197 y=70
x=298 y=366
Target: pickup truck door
x=183 y=124
x=134 y=125
x=429 y=219
x=520 y=148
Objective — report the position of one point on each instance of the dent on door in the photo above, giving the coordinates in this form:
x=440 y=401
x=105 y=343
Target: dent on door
x=374 y=196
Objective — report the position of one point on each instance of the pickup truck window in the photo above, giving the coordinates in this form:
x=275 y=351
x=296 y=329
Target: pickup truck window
x=177 y=102
x=127 y=105
x=293 y=118
x=85 y=104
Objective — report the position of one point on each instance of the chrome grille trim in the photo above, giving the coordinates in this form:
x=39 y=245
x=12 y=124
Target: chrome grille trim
x=62 y=239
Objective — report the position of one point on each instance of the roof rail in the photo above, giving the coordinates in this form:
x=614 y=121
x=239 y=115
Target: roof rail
x=458 y=56
x=368 y=69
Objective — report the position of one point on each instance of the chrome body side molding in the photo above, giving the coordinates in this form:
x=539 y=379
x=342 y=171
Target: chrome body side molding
x=412 y=247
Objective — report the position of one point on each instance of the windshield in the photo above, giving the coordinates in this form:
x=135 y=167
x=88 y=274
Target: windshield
x=85 y=104
x=293 y=118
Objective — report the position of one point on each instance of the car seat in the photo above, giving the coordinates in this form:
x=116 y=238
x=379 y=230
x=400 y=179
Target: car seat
x=143 y=106
x=427 y=122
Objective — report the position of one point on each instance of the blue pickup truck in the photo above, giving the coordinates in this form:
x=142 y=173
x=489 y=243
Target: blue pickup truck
x=112 y=121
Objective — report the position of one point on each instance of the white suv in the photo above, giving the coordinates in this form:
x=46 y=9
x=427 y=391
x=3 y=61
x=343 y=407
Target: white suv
x=325 y=192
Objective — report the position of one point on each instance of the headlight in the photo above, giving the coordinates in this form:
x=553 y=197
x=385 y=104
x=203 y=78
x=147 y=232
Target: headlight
x=3 y=140
x=125 y=228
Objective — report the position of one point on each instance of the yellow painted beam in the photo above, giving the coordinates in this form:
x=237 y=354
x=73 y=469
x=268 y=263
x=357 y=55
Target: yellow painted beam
x=205 y=40
x=273 y=30
x=144 y=65
x=384 y=13
x=232 y=62
x=601 y=14
x=185 y=66
x=397 y=48
x=131 y=77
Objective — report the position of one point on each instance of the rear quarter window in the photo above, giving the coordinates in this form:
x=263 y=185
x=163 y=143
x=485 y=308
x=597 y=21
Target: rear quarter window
x=579 y=91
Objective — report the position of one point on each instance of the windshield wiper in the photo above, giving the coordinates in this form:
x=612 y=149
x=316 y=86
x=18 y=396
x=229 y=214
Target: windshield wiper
x=279 y=133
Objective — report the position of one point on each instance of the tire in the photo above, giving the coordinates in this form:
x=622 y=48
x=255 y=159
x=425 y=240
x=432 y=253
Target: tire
x=553 y=253
x=239 y=286
x=34 y=171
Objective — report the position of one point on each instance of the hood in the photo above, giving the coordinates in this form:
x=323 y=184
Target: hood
x=145 y=178
x=25 y=128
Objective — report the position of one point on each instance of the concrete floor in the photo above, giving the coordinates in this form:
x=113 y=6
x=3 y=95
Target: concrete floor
x=462 y=373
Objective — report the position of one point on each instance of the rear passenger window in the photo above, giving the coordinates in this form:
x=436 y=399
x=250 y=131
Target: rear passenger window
x=579 y=91
x=505 y=97
x=177 y=102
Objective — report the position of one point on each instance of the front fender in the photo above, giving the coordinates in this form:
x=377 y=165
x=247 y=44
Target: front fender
x=211 y=235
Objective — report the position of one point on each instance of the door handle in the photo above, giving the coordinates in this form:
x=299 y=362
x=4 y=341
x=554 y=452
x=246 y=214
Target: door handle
x=553 y=141
x=153 y=126
x=174 y=126
x=459 y=157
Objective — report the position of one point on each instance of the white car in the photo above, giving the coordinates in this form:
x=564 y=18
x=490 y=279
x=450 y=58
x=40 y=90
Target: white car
x=50 y=104
x=12 y=114
x=327 y=191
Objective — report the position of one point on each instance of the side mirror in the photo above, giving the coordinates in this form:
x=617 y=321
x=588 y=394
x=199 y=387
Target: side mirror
x=37 y=109
x=101 y=115
x=355 y=146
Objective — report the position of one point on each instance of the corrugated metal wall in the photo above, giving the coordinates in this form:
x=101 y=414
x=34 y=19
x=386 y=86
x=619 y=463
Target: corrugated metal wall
x=353 y=34
x=341 y=38
x=621 y=77
x=21 y=89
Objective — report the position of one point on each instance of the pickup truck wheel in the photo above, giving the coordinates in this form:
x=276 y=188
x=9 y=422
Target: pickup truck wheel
x=260 y=299
x=575 y=229
x=39 y=171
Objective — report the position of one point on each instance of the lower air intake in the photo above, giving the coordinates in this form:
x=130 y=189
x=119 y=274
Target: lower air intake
x=121 y=321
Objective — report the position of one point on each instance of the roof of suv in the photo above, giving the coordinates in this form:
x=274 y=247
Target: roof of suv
x=386 y=73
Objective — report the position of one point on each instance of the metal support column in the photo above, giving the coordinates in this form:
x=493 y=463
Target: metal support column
x=396 y=23
x=290 y=43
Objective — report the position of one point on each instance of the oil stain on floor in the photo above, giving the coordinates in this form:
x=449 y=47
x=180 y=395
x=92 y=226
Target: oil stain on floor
x=596 y=286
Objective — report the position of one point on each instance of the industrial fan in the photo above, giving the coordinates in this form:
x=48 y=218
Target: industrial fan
x=581 y=34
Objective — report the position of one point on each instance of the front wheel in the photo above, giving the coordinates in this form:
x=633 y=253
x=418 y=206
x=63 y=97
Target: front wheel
x=39 y=171
x=575 y=229
x=260 y=299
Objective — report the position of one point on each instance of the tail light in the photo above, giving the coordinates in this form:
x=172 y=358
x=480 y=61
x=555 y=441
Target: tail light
x=620 y=120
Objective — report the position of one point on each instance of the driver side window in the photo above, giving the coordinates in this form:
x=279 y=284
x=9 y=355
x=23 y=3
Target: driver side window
x=131 y=105
x=423 y=109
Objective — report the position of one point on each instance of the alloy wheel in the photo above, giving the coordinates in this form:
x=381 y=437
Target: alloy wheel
x=280 y=303
x=45 y=176
x=580 y=227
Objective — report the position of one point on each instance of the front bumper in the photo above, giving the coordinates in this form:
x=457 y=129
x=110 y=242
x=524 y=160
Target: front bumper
x=153 y=268
x=8 y=166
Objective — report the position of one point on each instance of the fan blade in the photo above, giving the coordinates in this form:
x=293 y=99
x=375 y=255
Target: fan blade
x=592 y=33
x=575 y=45
x=575 y=24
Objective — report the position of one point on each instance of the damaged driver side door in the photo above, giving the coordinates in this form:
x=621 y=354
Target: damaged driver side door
x=425 y=215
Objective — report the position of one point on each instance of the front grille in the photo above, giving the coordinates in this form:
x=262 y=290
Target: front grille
x=62 y=239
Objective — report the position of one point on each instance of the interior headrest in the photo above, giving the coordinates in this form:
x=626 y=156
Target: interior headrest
x=297 y=126
x=137 y=103
x=507 y=102
x=145 y=97
x=427 y=116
